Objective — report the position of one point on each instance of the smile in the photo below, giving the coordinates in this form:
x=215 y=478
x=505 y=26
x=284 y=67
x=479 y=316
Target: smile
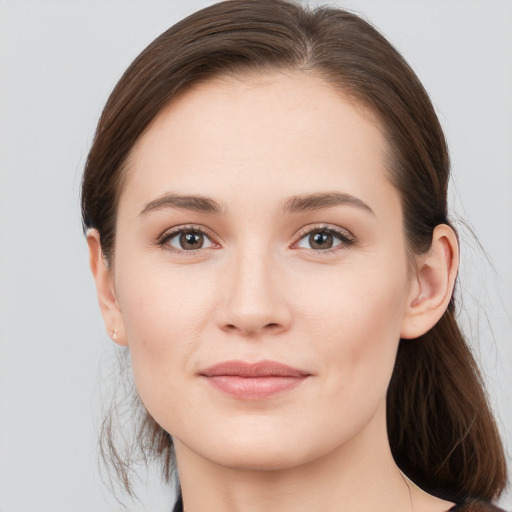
x=253 y=381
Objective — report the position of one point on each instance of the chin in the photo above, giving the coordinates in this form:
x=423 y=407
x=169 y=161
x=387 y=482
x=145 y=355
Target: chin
x=265 y=446
x=260 y=458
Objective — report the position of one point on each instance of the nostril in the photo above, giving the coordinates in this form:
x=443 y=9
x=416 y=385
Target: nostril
x=232 y=327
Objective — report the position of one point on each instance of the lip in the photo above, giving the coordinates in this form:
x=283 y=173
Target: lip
x=253 y=381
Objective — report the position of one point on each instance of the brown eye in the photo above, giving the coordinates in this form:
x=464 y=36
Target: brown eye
x=187 y=240
x=321 y=240
x=191 y=240
x=325 y=238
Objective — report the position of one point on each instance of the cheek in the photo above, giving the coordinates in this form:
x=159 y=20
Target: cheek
x=158 y=301
x=163 y=314
x=358 y=327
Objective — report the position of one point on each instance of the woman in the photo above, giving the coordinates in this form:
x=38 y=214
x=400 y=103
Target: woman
x=265 y=208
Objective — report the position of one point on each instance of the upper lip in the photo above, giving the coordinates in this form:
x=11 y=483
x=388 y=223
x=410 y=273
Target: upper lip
x=259 y=369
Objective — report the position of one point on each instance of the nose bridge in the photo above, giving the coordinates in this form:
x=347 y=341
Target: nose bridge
x=255 y=301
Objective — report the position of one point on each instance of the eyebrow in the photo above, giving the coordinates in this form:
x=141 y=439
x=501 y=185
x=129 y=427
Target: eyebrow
x=184 y=202
x=295 y=204
x=319 y=201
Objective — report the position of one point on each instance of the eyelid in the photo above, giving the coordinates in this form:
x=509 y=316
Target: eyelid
x=170 y=233
x=346 y=237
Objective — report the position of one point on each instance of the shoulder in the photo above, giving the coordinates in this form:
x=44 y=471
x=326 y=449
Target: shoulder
x=476 y=506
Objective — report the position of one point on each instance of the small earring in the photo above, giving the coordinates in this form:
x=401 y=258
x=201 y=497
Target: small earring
x=114 y=336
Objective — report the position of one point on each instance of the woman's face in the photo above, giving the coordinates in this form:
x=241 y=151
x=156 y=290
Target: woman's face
x=261 y=271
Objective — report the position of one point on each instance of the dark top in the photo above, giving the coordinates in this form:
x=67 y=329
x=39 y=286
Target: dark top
x=472 y=506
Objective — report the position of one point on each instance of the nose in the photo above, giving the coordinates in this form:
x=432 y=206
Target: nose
x=254 y=299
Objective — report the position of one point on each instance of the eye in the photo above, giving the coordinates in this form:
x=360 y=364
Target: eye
x=186 y=239
x=323 y=238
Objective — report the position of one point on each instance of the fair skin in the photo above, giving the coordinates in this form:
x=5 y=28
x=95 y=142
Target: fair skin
x=267 y=274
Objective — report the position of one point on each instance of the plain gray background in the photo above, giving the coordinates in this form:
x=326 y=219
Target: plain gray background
x=58 y=62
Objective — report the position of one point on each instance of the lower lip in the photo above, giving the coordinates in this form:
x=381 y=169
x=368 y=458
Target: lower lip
x=254 y=388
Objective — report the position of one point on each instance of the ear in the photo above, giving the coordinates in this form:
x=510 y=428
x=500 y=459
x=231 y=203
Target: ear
x=433 y=283
x=103 y=277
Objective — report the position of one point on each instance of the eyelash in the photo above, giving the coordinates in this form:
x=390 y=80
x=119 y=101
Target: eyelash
x=163 y=240
x=345 y=237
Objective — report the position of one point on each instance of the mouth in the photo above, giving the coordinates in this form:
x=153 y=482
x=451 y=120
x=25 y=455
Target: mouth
x=253 y=381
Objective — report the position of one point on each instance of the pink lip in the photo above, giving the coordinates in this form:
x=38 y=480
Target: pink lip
x=253 y=381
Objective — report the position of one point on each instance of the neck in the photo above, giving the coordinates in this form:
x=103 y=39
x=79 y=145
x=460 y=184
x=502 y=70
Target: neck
x=360 y=476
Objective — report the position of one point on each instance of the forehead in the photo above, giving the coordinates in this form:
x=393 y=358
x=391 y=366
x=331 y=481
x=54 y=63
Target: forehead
x=279 y=133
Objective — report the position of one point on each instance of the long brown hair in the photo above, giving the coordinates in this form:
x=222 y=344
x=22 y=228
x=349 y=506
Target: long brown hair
x=441 y=430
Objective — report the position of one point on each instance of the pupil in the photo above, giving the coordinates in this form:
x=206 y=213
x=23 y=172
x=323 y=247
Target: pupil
x=321 y=240
x=191 y=240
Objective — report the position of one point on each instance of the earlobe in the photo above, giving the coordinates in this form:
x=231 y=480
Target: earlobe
x=433 y=283
x=107 y=300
